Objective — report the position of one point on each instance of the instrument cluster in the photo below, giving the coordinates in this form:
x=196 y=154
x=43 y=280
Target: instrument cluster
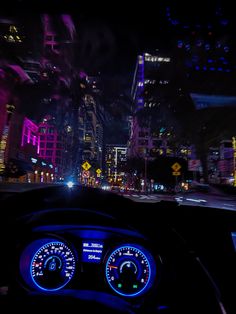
x=51 y=263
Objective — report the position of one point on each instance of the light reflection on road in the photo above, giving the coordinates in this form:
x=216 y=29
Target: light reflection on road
x=218 y=201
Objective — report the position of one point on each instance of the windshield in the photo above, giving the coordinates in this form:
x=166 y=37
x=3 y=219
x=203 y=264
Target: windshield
x=140 y=101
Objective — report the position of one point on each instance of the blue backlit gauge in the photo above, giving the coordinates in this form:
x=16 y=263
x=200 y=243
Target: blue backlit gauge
x=52 y=266
x=130 y=270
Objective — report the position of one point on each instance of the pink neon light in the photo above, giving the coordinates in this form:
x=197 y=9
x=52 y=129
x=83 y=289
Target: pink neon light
x=23 y=133
x=67 y=20
x=28 y=135
x=38 y=147
x=29 y=129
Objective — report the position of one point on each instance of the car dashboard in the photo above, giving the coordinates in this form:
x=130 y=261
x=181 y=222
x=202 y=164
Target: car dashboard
x=115 y=255
x=84 y=257
x=106 y=263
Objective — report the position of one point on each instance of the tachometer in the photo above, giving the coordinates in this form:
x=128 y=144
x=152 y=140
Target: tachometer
x=52 y=265
x=130 y=270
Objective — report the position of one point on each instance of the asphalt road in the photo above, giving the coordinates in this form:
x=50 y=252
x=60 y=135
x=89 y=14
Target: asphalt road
x=213 y=198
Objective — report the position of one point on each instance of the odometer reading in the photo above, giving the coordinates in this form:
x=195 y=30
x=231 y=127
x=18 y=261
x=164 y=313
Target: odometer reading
x=52 y=266
x=128 y=270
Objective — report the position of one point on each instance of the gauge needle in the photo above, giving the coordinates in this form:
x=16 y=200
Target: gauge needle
x=113 y=267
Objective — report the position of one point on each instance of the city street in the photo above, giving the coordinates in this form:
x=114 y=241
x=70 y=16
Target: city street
x=213 y=198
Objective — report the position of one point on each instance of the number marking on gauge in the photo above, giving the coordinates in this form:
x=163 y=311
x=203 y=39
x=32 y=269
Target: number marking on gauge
x=128 y=270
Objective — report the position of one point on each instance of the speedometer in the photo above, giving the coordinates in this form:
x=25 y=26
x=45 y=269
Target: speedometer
x=51 y=265
x=130 y=270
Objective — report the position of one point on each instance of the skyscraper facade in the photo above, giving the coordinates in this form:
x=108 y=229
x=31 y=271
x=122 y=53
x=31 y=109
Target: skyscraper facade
x=152 y=77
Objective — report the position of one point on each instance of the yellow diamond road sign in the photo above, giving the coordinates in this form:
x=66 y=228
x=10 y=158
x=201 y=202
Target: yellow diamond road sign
x=176 y=166
x=98 y=171
x=86 y=166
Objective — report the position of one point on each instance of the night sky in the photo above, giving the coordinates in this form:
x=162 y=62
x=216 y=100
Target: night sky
x=118 y=32
x=111 y=35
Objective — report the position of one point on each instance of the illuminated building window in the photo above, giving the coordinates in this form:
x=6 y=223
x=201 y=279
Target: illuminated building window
x=140 y=60
x=163 y=82
x=156 y=58
x=68 y=129
x=13 y=35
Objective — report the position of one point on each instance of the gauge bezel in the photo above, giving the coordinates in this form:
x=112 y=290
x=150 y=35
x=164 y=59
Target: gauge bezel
x=28 y=256
x=151 y=265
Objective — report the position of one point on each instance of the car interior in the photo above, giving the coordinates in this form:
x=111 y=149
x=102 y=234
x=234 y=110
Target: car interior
x=97 y=251
x=80 y=248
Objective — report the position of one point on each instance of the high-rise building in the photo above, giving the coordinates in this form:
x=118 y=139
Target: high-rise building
x=90 y=123
x=19 y=61
x=51 y=146
x=30 y=134
x=22 y=161
x=151 y=70
x=20 y=54
x=36 y=167
x=99 y=144
x=115 y=162
x=152 y=77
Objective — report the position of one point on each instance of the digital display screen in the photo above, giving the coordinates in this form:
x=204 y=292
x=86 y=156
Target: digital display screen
x=92 y=251
x=234 y=239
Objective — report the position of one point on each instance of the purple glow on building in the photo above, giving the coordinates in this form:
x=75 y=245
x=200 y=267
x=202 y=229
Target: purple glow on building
x=38 y=145
x=29 y=133
x=67 y=20
x=56 y=97
x=23 y=135
x=51 y=145
x=28 y=136
x=82 y=74
x=20 y=72
x=46 y=23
